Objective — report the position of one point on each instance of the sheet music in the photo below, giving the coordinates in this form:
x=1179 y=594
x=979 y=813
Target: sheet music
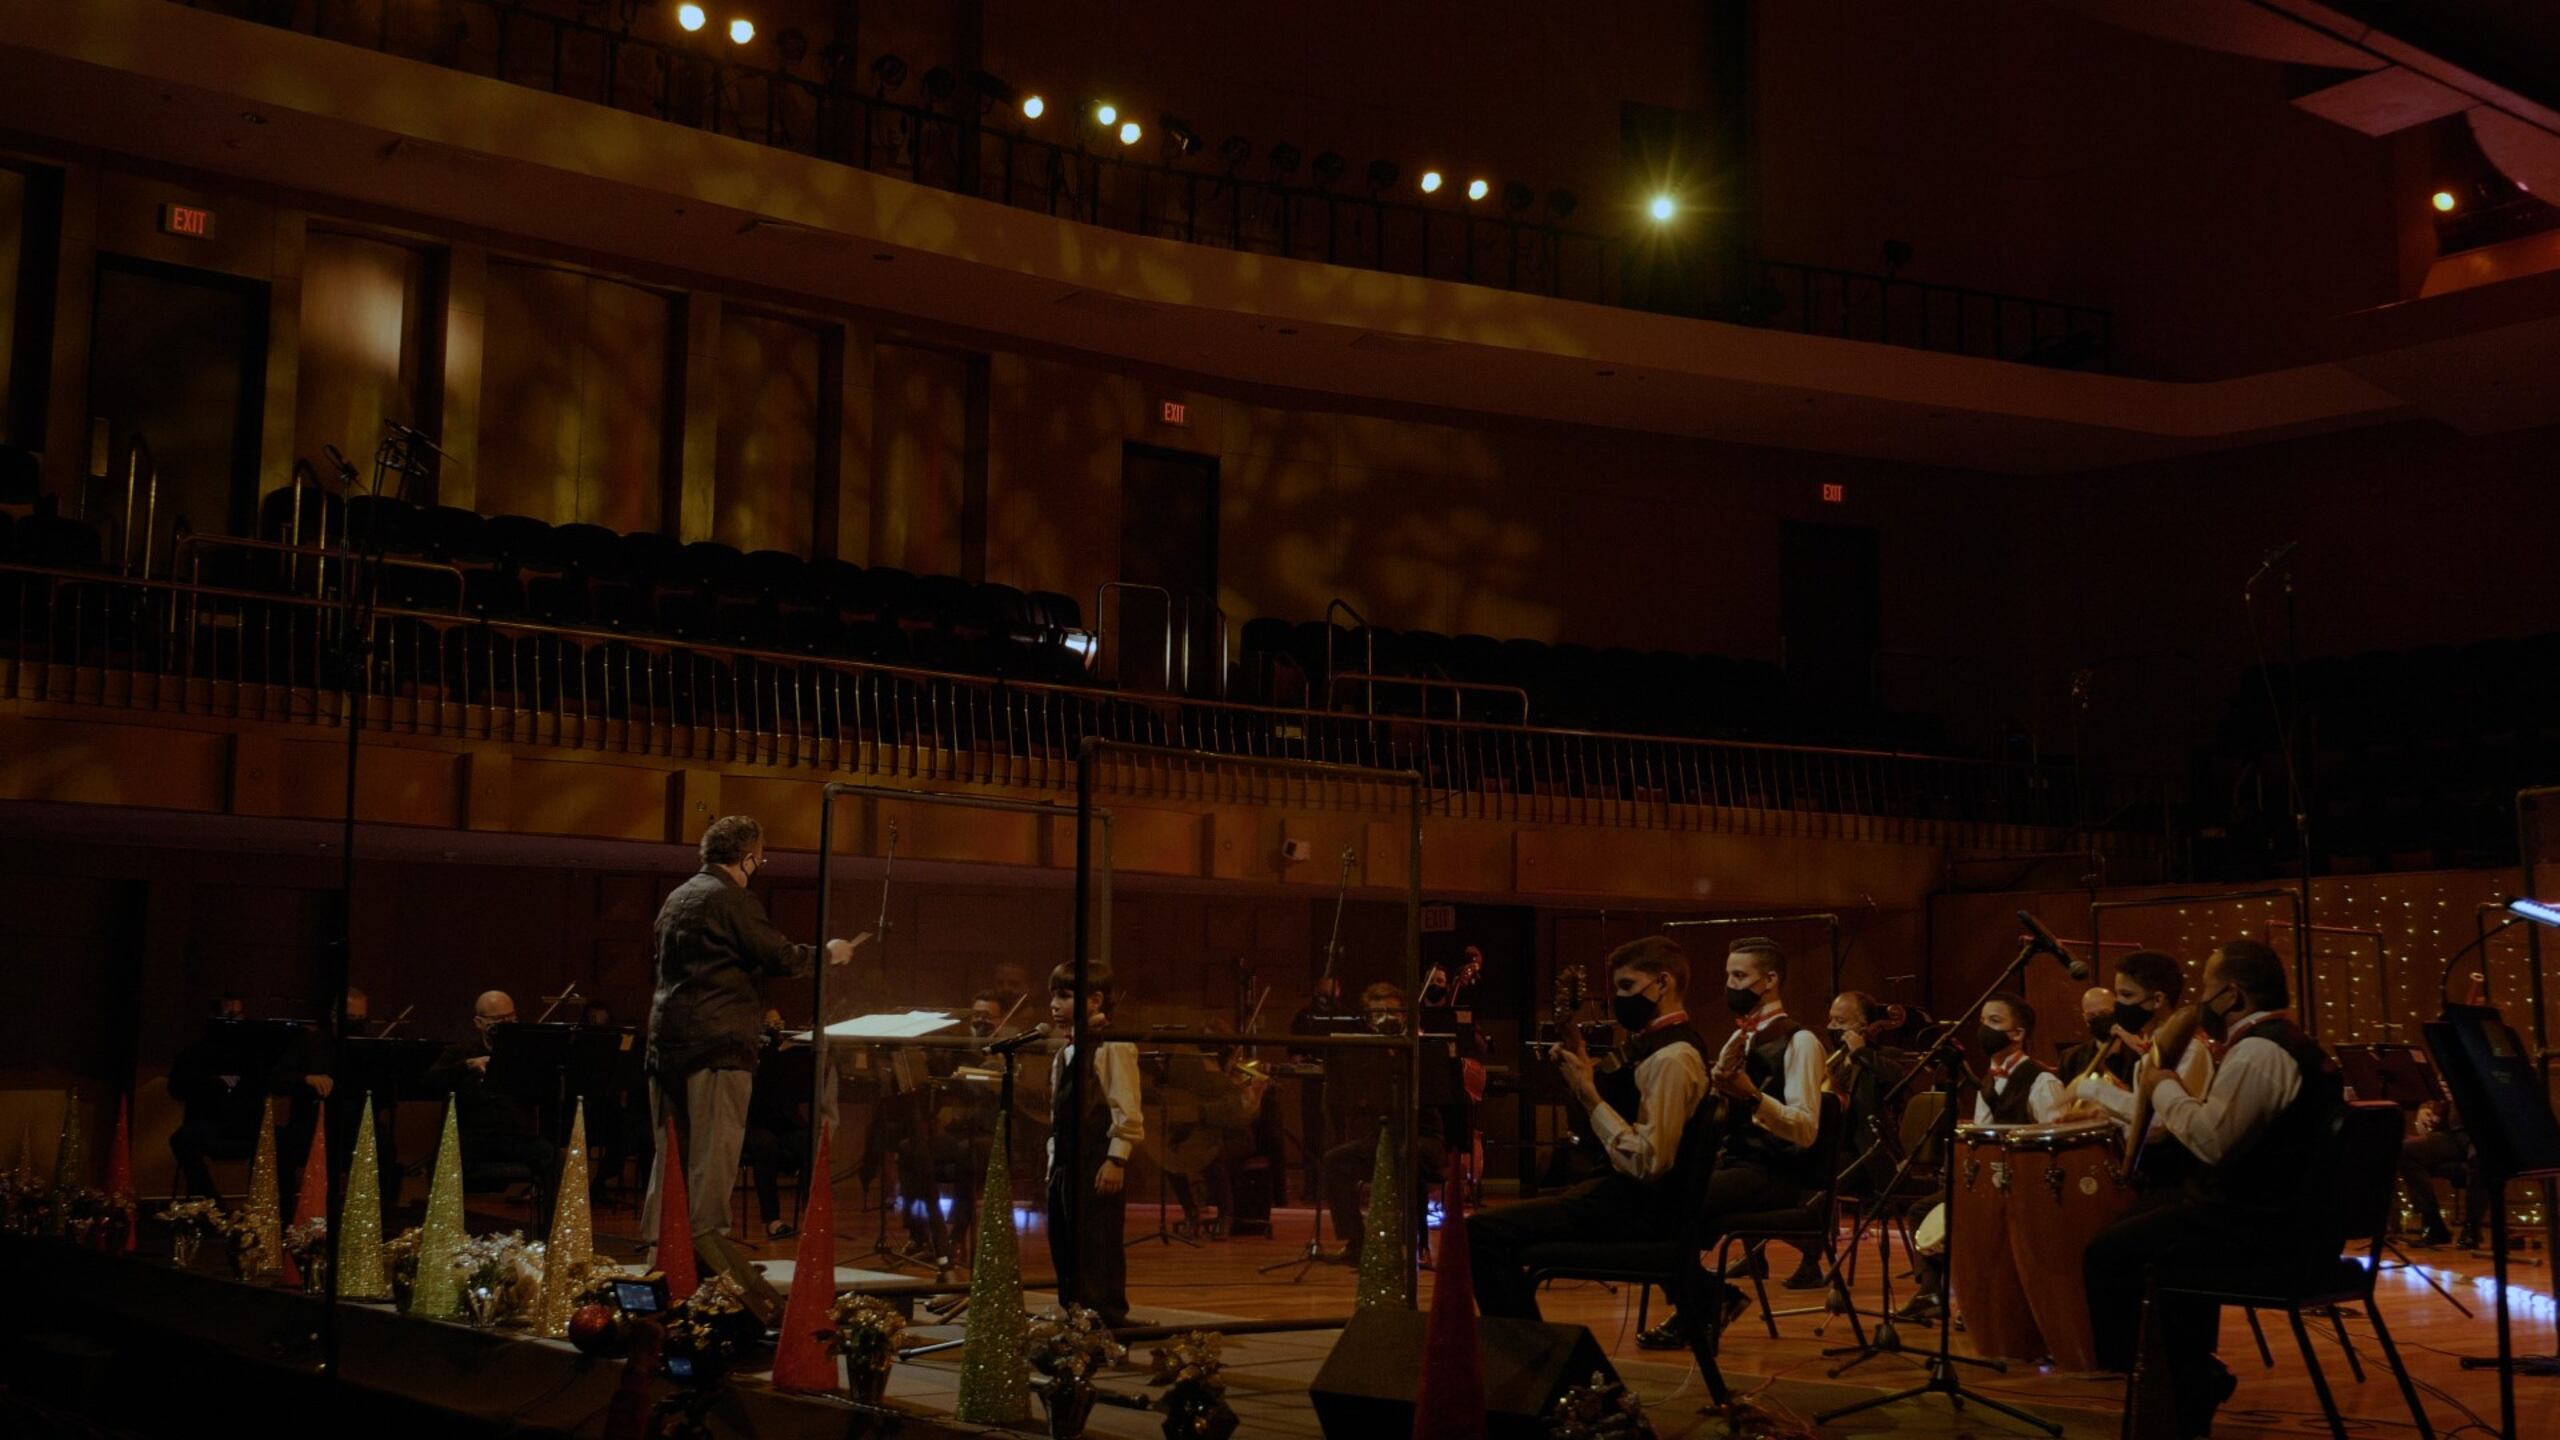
x=892 y=1025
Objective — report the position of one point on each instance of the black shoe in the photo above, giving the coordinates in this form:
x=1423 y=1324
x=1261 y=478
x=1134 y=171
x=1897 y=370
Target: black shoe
x=2469 y=1240
x=2435 y=1237
x=779 y=1230
x=1807 y=1276
x=1751 y=1264
x=1669 y=1335
x=1923 y=1310
x=2199 y=1401
x=1347 y=1255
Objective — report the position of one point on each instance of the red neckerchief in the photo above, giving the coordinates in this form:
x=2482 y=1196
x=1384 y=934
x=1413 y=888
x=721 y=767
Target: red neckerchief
x=1755 y=1022
x=2000 y=1068
x=1665 y=1022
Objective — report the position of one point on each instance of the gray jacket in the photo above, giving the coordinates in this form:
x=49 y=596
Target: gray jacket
x=714 y=944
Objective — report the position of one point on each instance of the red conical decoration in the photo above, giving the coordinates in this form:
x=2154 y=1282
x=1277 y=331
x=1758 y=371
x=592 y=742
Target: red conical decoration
x=802 y=1363
x=675 y=1219
x=120 y=1169
x=1449 y=1405
x=311 y=1199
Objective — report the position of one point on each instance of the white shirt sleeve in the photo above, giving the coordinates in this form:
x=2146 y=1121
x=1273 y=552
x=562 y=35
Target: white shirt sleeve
x=2045 y=1101
x=1669 y=1085
x=2103 y=1091
x=1798 y=1122
x=2256 y=1080
x=1116 y=1065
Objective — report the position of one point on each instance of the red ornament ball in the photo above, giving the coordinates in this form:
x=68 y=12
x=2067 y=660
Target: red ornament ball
x=596 y=1329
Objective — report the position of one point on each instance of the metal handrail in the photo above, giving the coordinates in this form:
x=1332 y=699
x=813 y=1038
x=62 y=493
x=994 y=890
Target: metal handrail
x=242 y=542
x=1102 y=632
x=1429 y=683
x=1368 y=634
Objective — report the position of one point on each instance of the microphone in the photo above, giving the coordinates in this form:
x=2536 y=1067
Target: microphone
x=2274 y=558
x=1026 y=1039
x=346 y=467
x=2039 y=938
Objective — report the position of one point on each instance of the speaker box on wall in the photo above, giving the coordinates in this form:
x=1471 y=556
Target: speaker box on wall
x=1365 y=1389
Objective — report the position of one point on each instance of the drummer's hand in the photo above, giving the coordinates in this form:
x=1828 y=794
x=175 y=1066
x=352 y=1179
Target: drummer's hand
x=2428 y=1117
x=2078 y=1109
x=320 y=1084
x=478 y=1064
x=1574 y=1063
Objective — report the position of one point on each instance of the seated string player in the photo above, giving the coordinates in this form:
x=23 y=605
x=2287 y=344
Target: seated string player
x=1862 y=1068
x=1348 y=1165
x=2148 y=986
x=1641 y=1109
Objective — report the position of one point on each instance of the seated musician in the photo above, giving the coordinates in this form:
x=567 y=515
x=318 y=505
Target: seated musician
x=221 y=1114
x=2016 y=1090
x=1861 y=1069
x=1350 y=1164
x=1107 y=1132
x=497 y=1127
x=2252 y=1132
x=2148 y=985
x=777 y=1139
x=1640 y=1110
x=2098 y=1013
x=305 y=1072
x=2433 y=1147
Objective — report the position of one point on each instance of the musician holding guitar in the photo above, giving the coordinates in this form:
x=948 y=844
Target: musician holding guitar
x=2148 y=987
x=2253 y=1131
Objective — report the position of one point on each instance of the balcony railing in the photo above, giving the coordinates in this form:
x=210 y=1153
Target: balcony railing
x=89 y=638
x=950 y=144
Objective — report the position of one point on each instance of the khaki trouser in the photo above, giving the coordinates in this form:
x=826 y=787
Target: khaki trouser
x=710 y=1110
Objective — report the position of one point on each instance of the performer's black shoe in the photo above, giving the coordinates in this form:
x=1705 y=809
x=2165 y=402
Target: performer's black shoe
x=1807 y=1276
x=1752 y=1263
x=2435 y=1237
x=2469 y=1240
x=1671 y=1334
x=1347 y=1255
x=1922 y=1310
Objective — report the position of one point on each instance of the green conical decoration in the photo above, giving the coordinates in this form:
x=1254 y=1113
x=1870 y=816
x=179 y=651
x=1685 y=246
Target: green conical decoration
x=360 y=1273
x=70 y=1166
x=995 y=1381
x=265 y=1211
x=438 y=1292
x=573 y=1236
x=1384 y=1250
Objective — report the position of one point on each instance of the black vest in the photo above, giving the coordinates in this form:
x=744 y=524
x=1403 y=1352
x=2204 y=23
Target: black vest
x=1665 y=1195
x=1765 y=1061
x=2011 y=1106
x=2268 y=1172
x=1093 y=1134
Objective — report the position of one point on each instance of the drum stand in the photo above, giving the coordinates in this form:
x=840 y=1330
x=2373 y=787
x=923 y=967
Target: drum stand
x=1886 y=1338
x=1942 y=1362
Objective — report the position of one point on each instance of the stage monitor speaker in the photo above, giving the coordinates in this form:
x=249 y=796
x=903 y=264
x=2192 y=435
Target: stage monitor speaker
x=1365 y=1389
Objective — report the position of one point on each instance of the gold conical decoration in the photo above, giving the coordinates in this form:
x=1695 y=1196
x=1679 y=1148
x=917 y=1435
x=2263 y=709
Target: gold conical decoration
x=573 y=1236
x=438 y=1291
x=1385 y=1252
x=995 y=1383
x=360 y=1273
x=70 y=1164
x=263 y=1213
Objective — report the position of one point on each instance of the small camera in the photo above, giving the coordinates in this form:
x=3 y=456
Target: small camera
x=642 y=1295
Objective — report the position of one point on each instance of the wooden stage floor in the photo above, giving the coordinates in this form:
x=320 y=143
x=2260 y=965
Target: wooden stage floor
x=1175 y=1283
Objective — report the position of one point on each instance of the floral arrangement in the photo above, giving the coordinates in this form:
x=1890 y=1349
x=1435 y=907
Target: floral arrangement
x=501 y=1277
x=249 y=1255
x=591 y=1282
x=1191 y=1366
x=864 y=1329
x=27 y=1205
x=1602 y=1409
x=191 y=1223
x=400 y=1258
x=711 y=1327
x=1070 y=1346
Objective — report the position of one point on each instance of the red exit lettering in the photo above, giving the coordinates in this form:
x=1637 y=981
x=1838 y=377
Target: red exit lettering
x=1176 y=413
x=193 y=221
x=1834 y=494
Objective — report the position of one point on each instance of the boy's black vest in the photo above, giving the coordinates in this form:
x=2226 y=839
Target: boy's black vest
x=1093 y=1128
x=2011 y=1106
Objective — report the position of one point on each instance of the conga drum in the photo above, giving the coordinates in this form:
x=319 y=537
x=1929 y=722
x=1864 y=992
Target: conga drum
x=2066 y=1183
x=1980 y=1263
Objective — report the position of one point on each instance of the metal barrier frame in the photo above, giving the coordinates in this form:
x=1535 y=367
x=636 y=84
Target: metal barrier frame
x=2528 y=801
x=1088 y=759
x=1830 y=918
x=2303 y=963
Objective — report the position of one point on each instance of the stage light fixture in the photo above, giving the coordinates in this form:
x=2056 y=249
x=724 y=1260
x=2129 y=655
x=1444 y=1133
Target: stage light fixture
x=1033 y=107
x=1328 y=167
x=792 y=45
x=1383 y=174
x=741 y=31
x=888 y=73
x=1178 y=134
x=1129 y=132
x=940 y=84
x=2443 y=201
x=2537 y=911
x=1662 y=208
x=1430 y=182
x=1478 y=189
x=1106 y=114
x=691 y=17
x=1517 y=197
x=1286 y=158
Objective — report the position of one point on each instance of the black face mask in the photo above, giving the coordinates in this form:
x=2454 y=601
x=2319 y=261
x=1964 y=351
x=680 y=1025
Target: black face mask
x=1992 y=1041
x=2101 y=1028
x=1838 y=1035
x=2131 y=1018
x=2217 y=1023
x=1633 y=1012
x=1387 y=1024
x=1743 y=1002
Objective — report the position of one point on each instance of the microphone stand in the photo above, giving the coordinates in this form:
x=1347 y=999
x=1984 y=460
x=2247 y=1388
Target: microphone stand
x=1942 y=1364
x=2288 y=718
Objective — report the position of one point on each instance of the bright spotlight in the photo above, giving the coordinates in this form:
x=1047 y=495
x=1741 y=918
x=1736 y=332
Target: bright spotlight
x=1032 y=106
x=1130 y=132
x=691 y=17
x=1430 y=182
x=1662 y=208
x=1106 y=115
x=1477 y=189
x=741 y=31
x=2443 y=201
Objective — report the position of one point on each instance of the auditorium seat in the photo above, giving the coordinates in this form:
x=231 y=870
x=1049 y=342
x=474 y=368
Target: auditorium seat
x=652 y=560
x=453 y=535
x=712 y=565
x=555 y=600
x=521 y=542
x=588 y=549
x=777 y=574
x=320 y=520
x=889 y=594
x=380 y=524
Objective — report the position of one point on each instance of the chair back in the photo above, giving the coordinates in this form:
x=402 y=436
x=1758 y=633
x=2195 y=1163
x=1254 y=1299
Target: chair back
x=2352 y=1189
x=1831 y=1127
x=1920 y=1116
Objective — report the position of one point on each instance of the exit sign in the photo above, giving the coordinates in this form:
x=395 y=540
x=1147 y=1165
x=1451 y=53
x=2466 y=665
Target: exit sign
x=193 y=221
x=1174 y=412
x=1834 y=494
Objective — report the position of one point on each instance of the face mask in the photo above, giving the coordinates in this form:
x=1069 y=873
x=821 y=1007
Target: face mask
x=1387 y=1024
x=1838 y=1035
x=1743 y=1002
x=2131 y=1018
x=1992 y=1041
x=2102 y=1028
x=1633 y=1012
x=2217 y=1023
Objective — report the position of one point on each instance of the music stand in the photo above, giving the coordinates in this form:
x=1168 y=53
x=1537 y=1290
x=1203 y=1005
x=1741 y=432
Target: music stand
x=2497 y=1081
x=1163 y=1060
x=1347 y=1023
x=2401 y=1075
x=531 y=1062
